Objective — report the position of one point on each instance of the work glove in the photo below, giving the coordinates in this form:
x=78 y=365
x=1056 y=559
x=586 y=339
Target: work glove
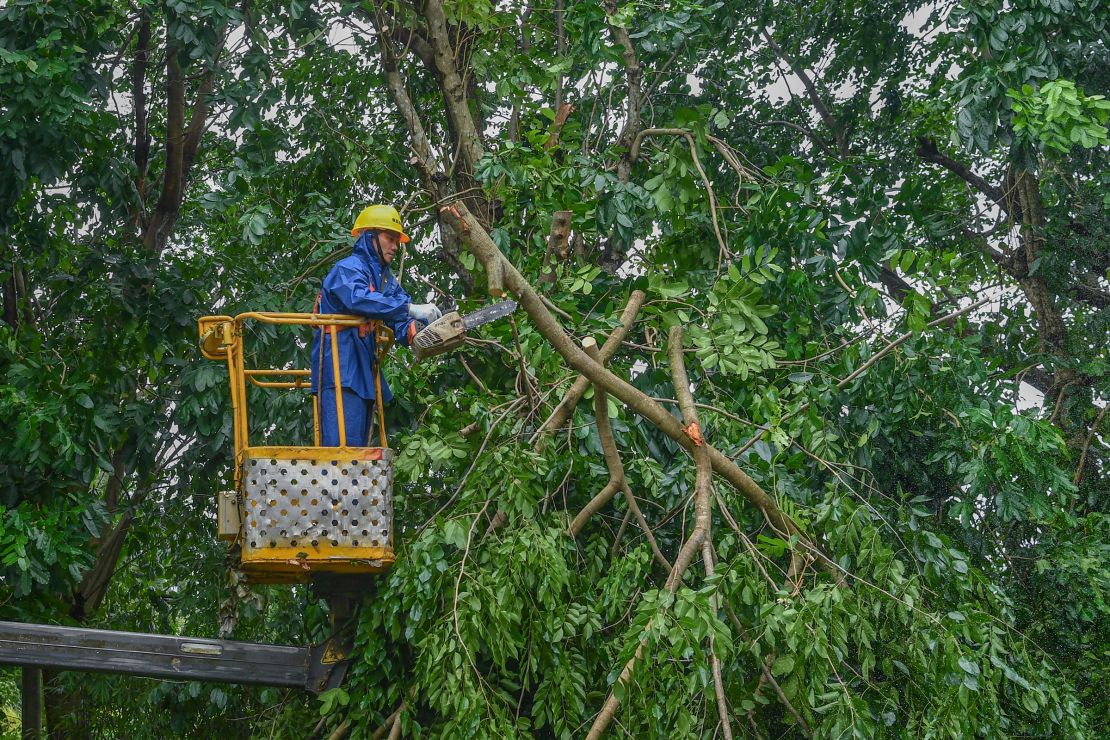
x=426 y=312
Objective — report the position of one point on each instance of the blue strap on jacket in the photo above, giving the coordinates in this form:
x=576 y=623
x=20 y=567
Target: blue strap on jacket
x=360 y=285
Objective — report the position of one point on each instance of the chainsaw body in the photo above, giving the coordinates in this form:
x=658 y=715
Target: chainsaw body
x=446 y=333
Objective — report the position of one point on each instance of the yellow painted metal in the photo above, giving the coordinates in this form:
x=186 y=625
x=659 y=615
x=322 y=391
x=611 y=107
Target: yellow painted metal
x=300 y=378
x=229 y=519
x=339 y=419
x=316 y=420
x=215 y=336
x=262 y=372
x=221 y=339
x=289 y=564
x=314 y=454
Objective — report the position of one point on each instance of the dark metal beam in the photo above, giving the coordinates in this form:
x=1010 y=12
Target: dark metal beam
x=31 y=704
x=157 y=656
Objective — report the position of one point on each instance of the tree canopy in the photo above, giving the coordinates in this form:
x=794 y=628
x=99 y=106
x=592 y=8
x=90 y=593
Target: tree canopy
x=800 y=430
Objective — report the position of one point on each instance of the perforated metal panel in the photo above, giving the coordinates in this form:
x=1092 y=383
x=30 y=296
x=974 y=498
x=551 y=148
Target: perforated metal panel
x=345 y=501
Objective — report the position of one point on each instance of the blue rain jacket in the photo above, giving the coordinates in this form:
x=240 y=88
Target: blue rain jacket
x=361 y=285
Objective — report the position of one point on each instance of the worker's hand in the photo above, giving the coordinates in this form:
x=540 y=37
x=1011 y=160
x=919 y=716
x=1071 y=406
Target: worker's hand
x=426 y=312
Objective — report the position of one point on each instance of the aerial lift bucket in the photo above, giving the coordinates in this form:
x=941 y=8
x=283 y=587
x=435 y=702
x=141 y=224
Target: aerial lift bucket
x=298 y=512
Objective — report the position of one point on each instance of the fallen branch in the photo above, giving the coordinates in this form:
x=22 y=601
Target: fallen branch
x=617 y=479
x=393 y=718
x=702 y=522
x=703 y=490
x=341 y=731
x=482 y=247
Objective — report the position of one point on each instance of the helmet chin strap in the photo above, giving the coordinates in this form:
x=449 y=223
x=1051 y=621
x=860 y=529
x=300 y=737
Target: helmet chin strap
x=378 y=248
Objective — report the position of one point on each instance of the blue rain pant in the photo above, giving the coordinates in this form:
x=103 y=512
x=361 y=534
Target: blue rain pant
x=358 y=418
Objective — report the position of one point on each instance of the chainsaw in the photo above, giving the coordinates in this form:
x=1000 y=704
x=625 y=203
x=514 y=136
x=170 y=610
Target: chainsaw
x=448 y=332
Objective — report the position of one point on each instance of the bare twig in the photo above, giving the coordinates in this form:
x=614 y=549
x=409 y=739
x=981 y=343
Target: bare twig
x=475 y=378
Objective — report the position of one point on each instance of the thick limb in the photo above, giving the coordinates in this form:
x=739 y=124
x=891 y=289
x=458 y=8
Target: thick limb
x=698 y=539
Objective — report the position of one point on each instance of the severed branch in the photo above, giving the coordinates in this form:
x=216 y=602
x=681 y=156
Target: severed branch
x=557 y=245
x=703 y=484
x=562 y=113
x=482 y=247
x=562 y=413
x=703 y=490
x=617 y=479
x=698 y=537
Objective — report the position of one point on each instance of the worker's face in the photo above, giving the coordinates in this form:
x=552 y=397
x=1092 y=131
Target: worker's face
x=390 y=242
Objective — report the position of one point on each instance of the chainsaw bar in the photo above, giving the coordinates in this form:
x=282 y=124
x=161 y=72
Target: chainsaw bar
x=489 y=313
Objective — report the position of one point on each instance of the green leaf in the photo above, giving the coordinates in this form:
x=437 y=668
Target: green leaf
x=970 y=666
x=783 y=665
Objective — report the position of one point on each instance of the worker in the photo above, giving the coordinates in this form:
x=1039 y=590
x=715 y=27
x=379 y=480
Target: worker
x=362 y=285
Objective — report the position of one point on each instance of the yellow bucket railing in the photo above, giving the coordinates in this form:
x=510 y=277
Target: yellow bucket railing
x=221 y=338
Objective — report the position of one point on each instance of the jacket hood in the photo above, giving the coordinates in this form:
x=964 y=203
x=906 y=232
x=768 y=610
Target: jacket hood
x=364 y=248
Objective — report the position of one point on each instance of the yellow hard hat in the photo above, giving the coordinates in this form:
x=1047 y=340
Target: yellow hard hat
x=380 y=217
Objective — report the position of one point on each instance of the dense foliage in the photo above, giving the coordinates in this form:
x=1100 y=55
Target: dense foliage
x=882 y=227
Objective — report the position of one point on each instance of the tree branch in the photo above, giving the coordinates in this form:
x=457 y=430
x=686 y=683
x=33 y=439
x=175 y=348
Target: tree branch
x=158 y=225
x=617 y=478
x=1087 y=445
x=454 y=88
x=482 y=246
x=698 y=537
x=139 y=104
x=425 y=160
x=928 y=151
x=562 y=413
x=814 y=96
x=895 y=343
x=634 y=77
